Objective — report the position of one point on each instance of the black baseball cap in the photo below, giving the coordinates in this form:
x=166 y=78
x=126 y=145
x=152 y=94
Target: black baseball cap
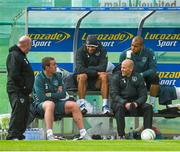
x=91 y=40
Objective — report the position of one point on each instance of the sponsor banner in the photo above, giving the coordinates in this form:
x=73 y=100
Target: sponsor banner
x=67 y=66
x=113 y=39
x=139 y=3
x=117 y=6
x=169 y=74
x=164 y=41
x=51 y=39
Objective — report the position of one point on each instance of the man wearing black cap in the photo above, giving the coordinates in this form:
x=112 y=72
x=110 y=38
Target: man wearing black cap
x=129 y=94
x=90 y=71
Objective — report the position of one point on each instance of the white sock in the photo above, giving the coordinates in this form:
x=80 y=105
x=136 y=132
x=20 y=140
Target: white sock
x=49 y=132
x=105 y=102
x=80 y=101
x=152 y=99
x=82 y=132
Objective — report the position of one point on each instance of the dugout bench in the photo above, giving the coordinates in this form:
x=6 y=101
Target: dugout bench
x=111 y=115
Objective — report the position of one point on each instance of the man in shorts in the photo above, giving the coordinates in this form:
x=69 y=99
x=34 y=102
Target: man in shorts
x=90 y=71
x=51 y=100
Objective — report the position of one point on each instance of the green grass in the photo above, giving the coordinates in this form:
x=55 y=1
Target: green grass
x=95 y=145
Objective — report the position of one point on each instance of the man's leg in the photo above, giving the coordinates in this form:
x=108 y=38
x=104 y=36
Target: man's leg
x=102 y=83
x=48 y=107
x=152 y=83
x=72 y=107
x=120 y=120
x=147 y=111
x=82 y=86
x=20 y=110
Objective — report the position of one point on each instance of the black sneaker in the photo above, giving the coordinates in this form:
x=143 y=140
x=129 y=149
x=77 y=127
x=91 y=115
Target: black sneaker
x=85 y=137
x=121 y=137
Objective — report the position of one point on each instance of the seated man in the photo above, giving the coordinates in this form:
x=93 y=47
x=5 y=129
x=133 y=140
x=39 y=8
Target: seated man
x=52 y=101
x=144 y=63
x=90 y=71
x=129 y=94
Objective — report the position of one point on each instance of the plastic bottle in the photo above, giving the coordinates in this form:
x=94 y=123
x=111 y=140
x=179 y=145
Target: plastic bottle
x=131 y=133
x=42 y=135
x=155 y=107
x=154 y=103
x=26 y=134
x=94 y=106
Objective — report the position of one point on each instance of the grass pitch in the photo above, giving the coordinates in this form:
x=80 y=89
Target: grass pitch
x=94 y=145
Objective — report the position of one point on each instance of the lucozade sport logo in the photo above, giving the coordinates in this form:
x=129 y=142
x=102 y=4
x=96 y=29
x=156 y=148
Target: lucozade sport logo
x=164 y=39
x=45 y=39
x=108 y=39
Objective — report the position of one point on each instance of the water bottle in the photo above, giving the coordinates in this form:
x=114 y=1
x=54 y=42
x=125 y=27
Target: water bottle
x=154 y=104
x=42 y=134
x=35 y=131
x=1 y=134
x=94 y=106
x=26 y=134
x=155 y=107
x=5 y=134
x=131 y=133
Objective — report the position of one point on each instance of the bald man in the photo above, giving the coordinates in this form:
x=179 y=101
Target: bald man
x=20 y=82
x=144 y=63
x=129 y=95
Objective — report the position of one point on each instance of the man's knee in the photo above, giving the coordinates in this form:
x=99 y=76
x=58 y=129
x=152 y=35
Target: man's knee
x=148 y=107
x=71 y=106
x=155 y=79
x=82 y=77
x=48 y=105
x=103 y=77
x=117 y=108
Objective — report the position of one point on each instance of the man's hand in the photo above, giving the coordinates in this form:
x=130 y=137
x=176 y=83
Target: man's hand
x=127 y=105
x=59 y=89
x=48 y=94
x=136 y=105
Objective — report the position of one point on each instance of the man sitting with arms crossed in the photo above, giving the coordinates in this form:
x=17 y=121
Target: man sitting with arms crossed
x=52 y=101
x=129 y=94
x=90 y=71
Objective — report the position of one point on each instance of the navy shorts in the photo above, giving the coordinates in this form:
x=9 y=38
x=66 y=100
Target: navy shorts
x=59 y=111
x=91 y=82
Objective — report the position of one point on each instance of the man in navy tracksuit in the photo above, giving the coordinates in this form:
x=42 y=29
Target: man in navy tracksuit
x=19 y=86
x=129 y=95
x=144 y=63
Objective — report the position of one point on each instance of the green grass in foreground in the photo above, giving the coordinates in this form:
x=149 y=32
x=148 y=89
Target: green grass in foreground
x=95 y=145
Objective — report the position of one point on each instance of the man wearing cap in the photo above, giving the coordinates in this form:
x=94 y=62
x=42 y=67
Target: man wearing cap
x=90 y=71
x=19 y=87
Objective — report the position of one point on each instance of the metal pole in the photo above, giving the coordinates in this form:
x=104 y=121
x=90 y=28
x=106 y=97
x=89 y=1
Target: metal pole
x=75 y=40
x=26 y=21
x=139 y=32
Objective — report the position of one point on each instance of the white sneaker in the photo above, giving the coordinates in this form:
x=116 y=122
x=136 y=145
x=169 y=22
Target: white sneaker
x=105 y=109
x=82 y=105
x=51 y=137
